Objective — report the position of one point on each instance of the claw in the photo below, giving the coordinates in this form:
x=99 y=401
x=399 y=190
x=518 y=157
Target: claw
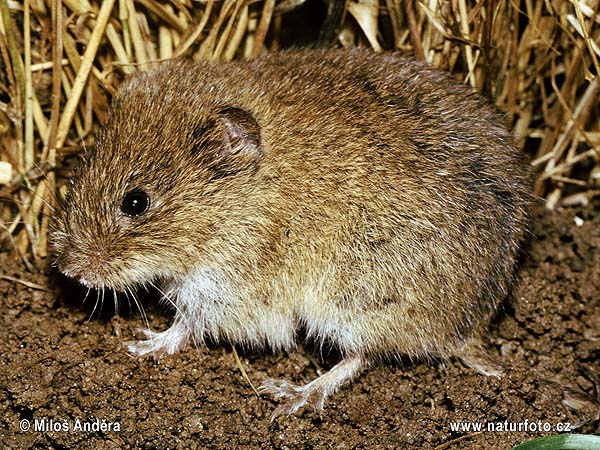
x=314 y=393
x=473 y=356
x=158 y=344
x=279 y=388
x=295 y=396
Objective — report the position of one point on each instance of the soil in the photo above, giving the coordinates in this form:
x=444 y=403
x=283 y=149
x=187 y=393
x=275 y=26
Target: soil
x=60 y=369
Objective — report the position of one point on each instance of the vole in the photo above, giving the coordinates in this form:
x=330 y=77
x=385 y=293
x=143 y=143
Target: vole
x=368 y=201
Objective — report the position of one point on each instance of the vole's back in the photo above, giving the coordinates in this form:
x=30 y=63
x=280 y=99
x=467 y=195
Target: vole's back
x=400 y=195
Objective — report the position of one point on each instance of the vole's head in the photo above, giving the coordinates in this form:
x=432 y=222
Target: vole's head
x=164 y=170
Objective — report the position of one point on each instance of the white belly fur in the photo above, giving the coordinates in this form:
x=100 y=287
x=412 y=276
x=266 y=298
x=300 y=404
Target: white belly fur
x=213 y=306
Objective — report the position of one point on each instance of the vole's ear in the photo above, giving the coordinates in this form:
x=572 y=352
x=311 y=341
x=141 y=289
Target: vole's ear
x=229 y=142
x=241 y=134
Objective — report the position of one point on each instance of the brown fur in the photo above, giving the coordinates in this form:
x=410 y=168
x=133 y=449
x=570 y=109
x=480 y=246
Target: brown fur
x=370 y=199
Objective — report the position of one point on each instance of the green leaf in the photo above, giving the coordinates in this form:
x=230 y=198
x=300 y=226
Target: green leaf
x=562 y=442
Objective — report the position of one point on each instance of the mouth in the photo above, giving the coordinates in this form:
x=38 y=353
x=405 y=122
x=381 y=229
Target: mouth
x=97 y=270
x=85 y=280
x=94 y=284
x=103 y=302
x=123 y=281
x=86 y=276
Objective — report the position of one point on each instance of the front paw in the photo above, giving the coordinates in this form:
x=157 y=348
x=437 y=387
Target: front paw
x=157 y=344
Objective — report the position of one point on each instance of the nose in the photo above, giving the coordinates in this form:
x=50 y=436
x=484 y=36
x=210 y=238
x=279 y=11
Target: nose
x=81 y=264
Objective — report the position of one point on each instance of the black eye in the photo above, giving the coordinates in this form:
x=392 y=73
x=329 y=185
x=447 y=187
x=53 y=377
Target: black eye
x=135 y=203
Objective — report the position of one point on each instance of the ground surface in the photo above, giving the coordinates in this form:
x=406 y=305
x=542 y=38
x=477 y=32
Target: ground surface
x=57 y=369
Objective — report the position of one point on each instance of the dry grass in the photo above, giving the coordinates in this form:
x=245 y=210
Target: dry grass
x=60 y=62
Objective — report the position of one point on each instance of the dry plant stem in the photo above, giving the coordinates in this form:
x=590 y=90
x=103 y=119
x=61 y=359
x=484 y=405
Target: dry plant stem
x=13 y=50
x=569 y=180
x=37 y=202
x=28 y=159
x=165 y=43
x=37 y=67
x=70 y=48
x=240 y=366
x=575 y=121
x=332 y=22
x=486 y=47
x=464 y=22
x=141 y=57
x=366 y=15
x=123 y=15
x=586 y=35
x=14 y=244
x=82 y=7
x=185 y=45
x=238 y=35
x=49 y=153
x=82 y=74
x=550 y=139
x=227 y=31
x=393 y=11
x=206 y=50
x=27 y=235
x=18 y=85
x=176 y=38
x=29 y=284
x=591 y=153
x=47 y=211
x=511 y=63
x=165 y=14
x=452 y=442
x=276 y=33
x=147 y=39
x=33 y=212
x=7 y=65
x=66 y=78
x=75 y=62
x=39 y=8
x=263 y=27
x=580 y=115
x=414 y=32
x=23 y=182
x=581 y=198
x=435 y=22
x=552 y=133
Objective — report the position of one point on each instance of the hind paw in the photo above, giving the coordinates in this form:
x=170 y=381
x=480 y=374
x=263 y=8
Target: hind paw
x=314 y=393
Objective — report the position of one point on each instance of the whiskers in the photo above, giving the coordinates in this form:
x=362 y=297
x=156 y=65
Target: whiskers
x=130 y=292
x=166 y=297
x=130 y=296
x=99 y=300
x=180 y=313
